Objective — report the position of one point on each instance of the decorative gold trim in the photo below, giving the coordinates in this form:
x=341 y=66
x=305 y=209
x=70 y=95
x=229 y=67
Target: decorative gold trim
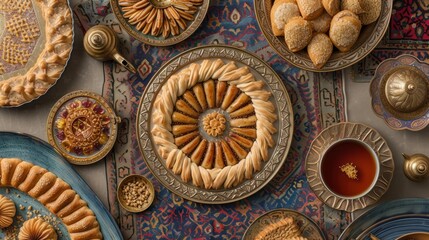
x=355 y=131
x=113 y=130
x=277 y=155
x=369 y=38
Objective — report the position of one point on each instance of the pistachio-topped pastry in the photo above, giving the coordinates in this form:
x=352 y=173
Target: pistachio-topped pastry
x=37 y=229
x=7 y=211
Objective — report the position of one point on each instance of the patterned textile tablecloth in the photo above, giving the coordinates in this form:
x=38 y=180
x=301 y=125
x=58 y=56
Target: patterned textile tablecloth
x=318 y=101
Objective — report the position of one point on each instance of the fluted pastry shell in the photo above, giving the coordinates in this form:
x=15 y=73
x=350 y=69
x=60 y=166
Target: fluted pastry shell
x=7 y=211
x=31 y=62
x=58 y=198
x=37 y=229
x=235 y=123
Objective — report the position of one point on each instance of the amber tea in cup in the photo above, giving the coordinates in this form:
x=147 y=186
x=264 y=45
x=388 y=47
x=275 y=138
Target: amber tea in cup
x=349 y=168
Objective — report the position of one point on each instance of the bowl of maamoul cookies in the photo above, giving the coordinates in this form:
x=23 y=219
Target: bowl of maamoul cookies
x=323 y=35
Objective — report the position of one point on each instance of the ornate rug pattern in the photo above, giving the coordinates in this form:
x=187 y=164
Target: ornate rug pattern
x=318 y=101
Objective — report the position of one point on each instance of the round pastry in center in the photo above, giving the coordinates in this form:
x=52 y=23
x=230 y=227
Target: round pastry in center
x=213 y=123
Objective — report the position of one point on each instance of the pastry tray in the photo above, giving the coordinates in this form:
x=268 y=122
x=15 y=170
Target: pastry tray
x=282 y=138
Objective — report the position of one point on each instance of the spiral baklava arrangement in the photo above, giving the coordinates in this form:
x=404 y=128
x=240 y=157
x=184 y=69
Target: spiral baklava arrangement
x=159 y=17
x=213 y=124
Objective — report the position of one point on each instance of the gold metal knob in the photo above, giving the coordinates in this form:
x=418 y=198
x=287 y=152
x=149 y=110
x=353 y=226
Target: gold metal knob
x=101 y=43
x=416 y=167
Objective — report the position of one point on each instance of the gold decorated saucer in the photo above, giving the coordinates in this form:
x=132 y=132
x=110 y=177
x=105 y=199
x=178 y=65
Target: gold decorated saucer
x=82 y=127
x=210 y=151
x=160 y=22
x=349 y=166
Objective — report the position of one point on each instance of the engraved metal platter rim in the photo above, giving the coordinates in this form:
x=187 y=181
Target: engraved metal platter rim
x=64 y=67
x=343 y=60
x=401 y=60
x=278 y=154
x=112 y=136
x=287 y=211
x=160 y=41
x=360 y=132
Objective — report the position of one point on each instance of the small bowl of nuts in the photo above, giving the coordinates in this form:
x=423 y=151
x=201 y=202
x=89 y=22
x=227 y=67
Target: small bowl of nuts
x=135 y=193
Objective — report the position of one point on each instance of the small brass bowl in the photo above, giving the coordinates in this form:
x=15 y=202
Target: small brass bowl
x=121 y=195
x=400 y=93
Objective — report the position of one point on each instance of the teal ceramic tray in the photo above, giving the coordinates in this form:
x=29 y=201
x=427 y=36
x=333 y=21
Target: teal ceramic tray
x=38 y=152
x=390 y=220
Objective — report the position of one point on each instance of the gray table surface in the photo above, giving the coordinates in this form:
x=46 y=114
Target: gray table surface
x=83 y=72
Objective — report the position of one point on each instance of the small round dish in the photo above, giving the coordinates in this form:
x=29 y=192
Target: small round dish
x=146 y=187
x=399 y=93
x=369 y=37
x=307 y=227
x=349 y=166
x=182 y=18
x=82 y=127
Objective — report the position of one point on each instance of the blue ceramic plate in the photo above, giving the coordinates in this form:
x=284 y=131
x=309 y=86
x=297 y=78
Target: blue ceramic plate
x=391 y=220
x=40 y=153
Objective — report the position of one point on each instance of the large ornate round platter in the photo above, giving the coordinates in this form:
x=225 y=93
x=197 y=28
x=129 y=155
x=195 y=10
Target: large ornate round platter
x=307 y=228
x=215 y=124
x=35 y=44
x=160 y=22
x=369 y=38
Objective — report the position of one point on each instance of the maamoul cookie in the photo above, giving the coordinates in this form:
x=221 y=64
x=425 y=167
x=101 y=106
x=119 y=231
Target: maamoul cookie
x=37 y=229
x=7 y=211
x=29 y=62
x=310 y=9
x=373 y=12
x=320 y=49
x=355 y=6
x=55 y=194
x=213 y=124
x=322 y=23
x=298 y=33
x=345 y=30
x=281 y=12
x=332 y=6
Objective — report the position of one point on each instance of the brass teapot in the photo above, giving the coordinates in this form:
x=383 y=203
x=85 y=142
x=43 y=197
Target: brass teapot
x=101 y=43
x=416 y=167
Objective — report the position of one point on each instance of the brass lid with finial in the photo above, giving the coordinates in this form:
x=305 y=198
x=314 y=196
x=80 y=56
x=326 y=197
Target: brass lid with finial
x=416 y=166
x=405 y=92
x=101 y=43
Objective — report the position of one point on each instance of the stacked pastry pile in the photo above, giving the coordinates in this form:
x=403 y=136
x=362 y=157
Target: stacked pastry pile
x=286 y=228
x=320 y=25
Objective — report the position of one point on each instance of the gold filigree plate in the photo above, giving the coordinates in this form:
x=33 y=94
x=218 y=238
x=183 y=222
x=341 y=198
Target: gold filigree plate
x=307 y=227
x=351 y=132
x=160 y=22
x=82 y=127
x=368 y=39
x=36 y=40
x=214 y=125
